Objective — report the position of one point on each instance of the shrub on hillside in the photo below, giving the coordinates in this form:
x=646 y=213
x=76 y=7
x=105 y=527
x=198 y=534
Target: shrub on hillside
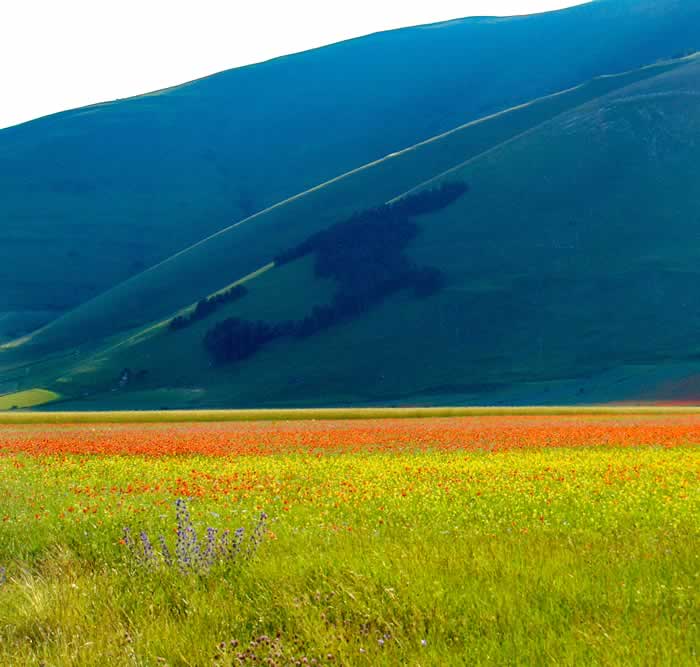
x=235 y=339
x=207 y=306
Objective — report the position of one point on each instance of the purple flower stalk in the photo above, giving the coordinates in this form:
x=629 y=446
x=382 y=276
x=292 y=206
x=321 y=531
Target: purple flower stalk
x=191 y=555
x=148 y=554
x=165 y=551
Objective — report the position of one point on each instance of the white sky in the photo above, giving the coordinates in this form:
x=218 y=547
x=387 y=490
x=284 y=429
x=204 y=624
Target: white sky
x=61 y=54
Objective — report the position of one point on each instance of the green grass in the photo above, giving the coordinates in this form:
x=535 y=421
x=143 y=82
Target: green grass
x=536 y=557
x=27 y=399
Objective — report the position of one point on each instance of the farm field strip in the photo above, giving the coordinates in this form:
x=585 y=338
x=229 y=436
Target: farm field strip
x=329 y=414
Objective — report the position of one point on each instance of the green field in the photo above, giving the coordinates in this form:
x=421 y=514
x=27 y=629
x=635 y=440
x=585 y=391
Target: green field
x=27 y=399
x=410 y=551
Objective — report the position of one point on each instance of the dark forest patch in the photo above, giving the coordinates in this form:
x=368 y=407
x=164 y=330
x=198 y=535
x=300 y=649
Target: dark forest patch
x=364 y=255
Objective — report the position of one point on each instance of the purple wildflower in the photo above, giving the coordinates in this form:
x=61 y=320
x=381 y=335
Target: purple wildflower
x=165 y=551
x=210 y=551
x=191 y=555
x=148 y=554
x=236 y=543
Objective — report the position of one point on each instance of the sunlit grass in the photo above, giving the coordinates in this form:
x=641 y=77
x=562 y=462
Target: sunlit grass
x=27 y=399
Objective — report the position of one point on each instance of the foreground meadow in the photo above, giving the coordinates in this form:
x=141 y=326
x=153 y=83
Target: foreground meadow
x=482 y=540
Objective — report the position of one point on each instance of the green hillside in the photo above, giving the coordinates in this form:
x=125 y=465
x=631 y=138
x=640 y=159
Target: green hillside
x=243 y=248
x=94 y=196
x=570 y=270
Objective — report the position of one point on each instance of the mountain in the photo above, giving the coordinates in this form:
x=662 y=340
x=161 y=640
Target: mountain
x=568 y=276
x=543 y=253
x=91 y=197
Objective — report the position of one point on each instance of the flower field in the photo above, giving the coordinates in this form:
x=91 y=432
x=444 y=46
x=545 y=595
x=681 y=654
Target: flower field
x=477 y=540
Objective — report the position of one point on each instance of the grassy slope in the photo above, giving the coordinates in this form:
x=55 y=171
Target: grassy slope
x=560 y=265
x=574 y=254
x=513 y=297
x=27 y=399
x=93 y=196
x=245 y=247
